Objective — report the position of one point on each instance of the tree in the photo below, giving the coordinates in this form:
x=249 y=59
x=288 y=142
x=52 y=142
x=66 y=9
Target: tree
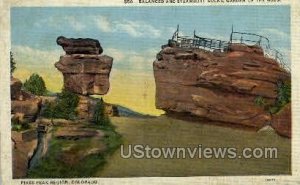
x=12 y=63
x=284 y=93
x=64 y=107
x=35 y=84
x=99 y=117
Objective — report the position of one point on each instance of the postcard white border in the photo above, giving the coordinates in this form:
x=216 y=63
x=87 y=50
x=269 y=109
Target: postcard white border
x=6 y=166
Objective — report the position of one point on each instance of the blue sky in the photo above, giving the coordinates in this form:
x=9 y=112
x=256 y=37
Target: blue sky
x=140 y=30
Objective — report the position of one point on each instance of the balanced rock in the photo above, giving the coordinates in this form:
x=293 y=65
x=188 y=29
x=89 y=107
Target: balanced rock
x=80 y=45
x=221 y=88
x=85 y=74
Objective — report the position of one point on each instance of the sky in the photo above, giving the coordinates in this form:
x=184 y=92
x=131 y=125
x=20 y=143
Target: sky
x=132 y=36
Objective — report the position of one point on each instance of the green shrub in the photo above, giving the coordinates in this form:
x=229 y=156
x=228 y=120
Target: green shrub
x=64 y=107
x=260 y=101
x=284 y=93
x=283 y=96
x=35 y=84
x=99 y=117
x=19 y=126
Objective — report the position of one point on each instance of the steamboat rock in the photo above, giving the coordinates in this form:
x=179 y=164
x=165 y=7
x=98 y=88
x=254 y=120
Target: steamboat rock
x=217 y=86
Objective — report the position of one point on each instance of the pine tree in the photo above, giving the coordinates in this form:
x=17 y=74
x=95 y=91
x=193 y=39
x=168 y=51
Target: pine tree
x=99 y=117
x=12 y=63
x=35 y=84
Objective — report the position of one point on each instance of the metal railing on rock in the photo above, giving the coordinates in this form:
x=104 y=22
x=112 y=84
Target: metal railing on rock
x=235 y=37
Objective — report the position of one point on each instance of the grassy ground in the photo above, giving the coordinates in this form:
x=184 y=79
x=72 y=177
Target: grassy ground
x=168 y=132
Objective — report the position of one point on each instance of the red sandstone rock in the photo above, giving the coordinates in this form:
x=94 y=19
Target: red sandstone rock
x=30 y=108
x=80 y=45
x=23 y=146
x=86 y=74
x=86 y=108
x=15 y=88
x=85 y=71
x=23 y=102
x=217 y=87
x=282 y=122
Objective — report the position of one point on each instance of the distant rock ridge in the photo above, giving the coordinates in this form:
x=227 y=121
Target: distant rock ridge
x=85 y=70
x=218 y=86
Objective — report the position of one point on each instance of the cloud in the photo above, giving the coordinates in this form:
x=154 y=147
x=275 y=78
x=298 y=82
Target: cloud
x=56 y=22
x=103 y=23
x=136 y=29
x=274 y=32
x=35 y=58
x=115 y=53
x=132 y=28
x=132 y=60
x=74 y=23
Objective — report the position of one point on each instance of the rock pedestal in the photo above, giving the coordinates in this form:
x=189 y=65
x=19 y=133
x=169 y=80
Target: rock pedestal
x=85 y=71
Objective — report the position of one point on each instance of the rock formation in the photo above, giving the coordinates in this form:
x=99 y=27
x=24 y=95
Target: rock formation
x=85 y=71
x=24 y=105
x=23 y=146
x=80 y=46
x=87 y=105
x=282 y=121
x=25 y=108
x=217 y=86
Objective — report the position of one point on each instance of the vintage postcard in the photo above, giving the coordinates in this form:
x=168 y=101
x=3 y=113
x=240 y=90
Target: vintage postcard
x=150 y=92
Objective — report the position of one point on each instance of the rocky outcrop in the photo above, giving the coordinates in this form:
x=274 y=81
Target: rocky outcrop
x=217 y=86
x=86 y=108
x=23 y=103
x=23 y=146
x=85 y=71
x=15 y=88
x=25 y=108
x=282 y=121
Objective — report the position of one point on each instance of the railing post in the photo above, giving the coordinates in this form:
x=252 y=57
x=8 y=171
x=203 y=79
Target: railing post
x=259 y=41
x=231 y=33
